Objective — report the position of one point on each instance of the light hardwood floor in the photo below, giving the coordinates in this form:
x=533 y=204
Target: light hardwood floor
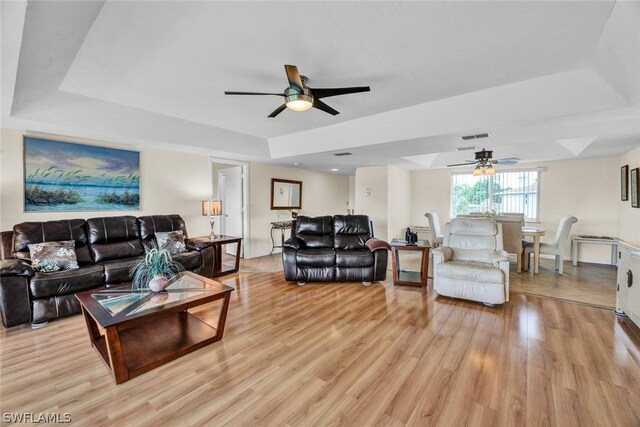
x=345 y=354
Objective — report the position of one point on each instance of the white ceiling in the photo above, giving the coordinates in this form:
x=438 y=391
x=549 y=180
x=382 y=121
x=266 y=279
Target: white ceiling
x=548 y=80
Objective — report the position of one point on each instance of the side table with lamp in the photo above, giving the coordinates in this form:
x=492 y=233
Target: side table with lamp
x=212 y=209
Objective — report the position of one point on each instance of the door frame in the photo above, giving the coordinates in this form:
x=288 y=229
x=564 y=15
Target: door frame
x=246 y=237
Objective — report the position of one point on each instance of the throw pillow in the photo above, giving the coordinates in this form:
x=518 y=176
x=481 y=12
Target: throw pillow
x=173 y=241
x=53 y=256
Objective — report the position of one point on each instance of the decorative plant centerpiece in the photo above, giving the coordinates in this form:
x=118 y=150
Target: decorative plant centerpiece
x=490 y=214
x=155 y=271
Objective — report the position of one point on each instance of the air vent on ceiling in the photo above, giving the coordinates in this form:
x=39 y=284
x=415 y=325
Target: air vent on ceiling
x=466 y=148
x=477 y=136
x=341 y=154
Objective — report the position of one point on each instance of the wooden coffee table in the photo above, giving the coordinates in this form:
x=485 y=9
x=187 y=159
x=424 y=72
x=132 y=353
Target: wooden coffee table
x=134 y=332
x=410 y=278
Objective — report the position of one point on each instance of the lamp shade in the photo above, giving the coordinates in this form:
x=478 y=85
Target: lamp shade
x=211 y=207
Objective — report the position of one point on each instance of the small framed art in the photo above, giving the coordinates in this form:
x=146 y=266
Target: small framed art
x=624 y=183
x=634 y=188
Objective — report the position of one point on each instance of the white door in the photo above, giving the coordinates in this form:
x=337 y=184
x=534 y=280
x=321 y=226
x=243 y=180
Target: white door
x=231 y=223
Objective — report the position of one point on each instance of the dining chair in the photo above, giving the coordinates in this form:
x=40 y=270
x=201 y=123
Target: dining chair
x=512 y=235
x=556 y=248
x=434 y=226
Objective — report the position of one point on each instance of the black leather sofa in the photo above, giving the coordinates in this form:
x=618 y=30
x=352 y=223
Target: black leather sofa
x=105 y=248
x=334 y=249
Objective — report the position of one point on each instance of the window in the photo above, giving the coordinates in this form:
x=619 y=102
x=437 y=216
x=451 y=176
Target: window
x=512 y=191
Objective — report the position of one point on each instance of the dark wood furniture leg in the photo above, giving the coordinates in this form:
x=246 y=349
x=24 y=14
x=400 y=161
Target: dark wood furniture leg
x=395 y=263
x=116 y=355
x=217 y=259
x=424 y=270
x=237 y=267
x=222 y=317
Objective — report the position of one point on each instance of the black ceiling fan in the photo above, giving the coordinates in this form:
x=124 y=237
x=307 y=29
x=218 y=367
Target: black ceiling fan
x=484 y=158
x=299 y=97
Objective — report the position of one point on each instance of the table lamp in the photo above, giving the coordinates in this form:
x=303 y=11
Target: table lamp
x=212 y=208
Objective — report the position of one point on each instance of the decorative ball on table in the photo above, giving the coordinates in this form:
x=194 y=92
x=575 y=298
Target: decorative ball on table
x=156 y=271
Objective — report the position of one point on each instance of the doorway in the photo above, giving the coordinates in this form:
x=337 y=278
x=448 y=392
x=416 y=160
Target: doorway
x=230 y=190
x=230 y=181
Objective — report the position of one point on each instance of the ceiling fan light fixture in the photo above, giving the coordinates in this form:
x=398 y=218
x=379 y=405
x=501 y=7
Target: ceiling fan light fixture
x=477 y=171
x=490 y=170
x=299 y=102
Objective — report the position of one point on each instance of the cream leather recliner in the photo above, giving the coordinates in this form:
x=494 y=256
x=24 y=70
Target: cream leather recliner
x=471 y=263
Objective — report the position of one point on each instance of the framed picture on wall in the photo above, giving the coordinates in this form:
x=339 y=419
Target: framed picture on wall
x=624 y=183
x=68 y=177
x=635 y=187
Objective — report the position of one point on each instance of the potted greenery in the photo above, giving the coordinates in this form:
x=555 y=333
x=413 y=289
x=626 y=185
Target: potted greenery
x=155 y=271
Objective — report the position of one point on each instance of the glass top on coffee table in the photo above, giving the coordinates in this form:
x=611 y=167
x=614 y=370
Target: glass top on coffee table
x=125 y=300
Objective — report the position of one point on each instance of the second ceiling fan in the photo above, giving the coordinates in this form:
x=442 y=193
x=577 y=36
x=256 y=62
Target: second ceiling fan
x=299 y=97
x=484 y=162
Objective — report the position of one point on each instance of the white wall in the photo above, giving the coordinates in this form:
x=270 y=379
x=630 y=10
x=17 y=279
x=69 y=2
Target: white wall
x=587 y=189
x=371 y=186
x=628 y=217
x=352 y=192
x=322 y=194
x=170 y=183
x=399 y=195
x=384 y=194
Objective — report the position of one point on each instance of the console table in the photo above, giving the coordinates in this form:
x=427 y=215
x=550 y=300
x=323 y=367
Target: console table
x=577 y=239
x=282 y=226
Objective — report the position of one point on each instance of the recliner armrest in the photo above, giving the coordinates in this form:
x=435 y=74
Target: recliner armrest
x=198 y=243
x=377 y=244
x=498 y=256
x=15 y=267
x=291 y=243
x=443 y=253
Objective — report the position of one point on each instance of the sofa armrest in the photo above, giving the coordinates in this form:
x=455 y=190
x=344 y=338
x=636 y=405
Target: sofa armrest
x=442 y=254
x=376 y=244
x=15 y=304
x=198 y=243
x=289 y=264
x=291 y=243
x=15 y=267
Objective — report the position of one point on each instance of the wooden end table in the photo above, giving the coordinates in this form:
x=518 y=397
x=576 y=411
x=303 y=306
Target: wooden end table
x=218 y=249
x=135 y=332
x=410 y=278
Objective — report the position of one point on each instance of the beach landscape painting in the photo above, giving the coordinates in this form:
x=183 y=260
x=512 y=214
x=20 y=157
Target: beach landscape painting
x=63 y=176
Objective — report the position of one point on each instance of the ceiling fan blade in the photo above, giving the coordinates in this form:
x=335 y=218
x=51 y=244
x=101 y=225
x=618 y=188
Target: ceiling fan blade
x=278 y=110
x=324 y=107
x=294 y=77
x=326 y=92
x=507 y=161
x=230 y=92
x=462 y=164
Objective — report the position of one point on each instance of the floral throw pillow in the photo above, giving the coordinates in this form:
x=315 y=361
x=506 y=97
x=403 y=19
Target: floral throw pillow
x=173 y=241
x=53 y=256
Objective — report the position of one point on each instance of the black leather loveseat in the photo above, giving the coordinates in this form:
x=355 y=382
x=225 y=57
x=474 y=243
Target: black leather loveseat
x=105 y=249
x=339 y=248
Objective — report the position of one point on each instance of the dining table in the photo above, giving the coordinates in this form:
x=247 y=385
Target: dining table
x=535 y=233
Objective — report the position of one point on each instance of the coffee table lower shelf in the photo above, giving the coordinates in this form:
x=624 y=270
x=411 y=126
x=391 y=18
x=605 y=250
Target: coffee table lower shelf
x=139 y=349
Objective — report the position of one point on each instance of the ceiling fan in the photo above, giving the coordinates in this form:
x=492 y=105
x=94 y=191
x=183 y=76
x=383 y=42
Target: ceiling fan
x=299 y=97
x=484 y=162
